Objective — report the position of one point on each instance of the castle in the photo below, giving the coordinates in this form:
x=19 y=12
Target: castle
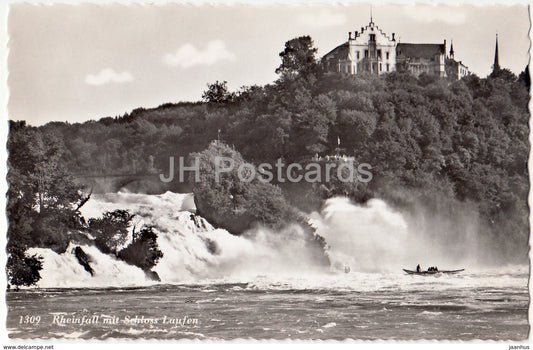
x=372 y=51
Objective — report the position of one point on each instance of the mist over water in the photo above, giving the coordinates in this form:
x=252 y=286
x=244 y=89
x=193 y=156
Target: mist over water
x=365 y=238
x=375 y=238
x=368 y=240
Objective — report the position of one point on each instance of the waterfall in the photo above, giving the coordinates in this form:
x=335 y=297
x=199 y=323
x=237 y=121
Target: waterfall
x=360 y=238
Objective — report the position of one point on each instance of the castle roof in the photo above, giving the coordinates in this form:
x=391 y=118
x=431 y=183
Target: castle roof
x=420 y=50
x=339 y=53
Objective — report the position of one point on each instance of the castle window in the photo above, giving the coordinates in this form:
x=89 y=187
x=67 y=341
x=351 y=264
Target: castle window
x=366 y=53
x=379 y=53
x=372 y=37
x=380 y=68
x=388 y=65
x=357 y=54
x=387 y=54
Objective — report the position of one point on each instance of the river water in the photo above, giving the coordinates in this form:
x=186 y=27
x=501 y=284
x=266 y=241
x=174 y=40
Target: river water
x=266 y=285
x=358 y=306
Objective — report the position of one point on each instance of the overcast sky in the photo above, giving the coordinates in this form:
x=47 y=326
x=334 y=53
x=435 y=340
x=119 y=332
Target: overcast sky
x=80 y=62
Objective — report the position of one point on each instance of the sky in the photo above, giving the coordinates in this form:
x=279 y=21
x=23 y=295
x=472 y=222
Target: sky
x=87 y=61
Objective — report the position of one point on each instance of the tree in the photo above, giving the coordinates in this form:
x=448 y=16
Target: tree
x=226 y=200
x=23 y=270
x=42 y=199
x=111 y=231
x=217 y=93
x=143 y=251
x=298 y=58
x=504 y=74
x=524 y=78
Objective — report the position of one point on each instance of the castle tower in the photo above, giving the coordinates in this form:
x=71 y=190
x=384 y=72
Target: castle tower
x=496 y=65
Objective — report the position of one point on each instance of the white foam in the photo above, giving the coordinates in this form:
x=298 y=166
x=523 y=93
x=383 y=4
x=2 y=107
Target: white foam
x=64 y=270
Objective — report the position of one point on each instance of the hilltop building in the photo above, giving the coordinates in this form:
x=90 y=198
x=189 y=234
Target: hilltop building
x=372 y=51
x=455 y=69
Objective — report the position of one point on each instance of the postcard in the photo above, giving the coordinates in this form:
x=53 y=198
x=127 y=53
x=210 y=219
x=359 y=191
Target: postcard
x=268 y=171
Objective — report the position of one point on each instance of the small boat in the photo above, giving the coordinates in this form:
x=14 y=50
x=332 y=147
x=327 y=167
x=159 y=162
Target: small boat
x=412 y=272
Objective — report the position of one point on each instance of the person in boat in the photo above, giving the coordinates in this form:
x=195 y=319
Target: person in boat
x=418 y=268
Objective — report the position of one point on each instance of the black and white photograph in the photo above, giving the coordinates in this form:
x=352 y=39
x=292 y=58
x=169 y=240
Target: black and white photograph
x=267 y=172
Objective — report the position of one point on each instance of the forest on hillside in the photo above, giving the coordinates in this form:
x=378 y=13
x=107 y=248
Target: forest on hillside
x=428 y=139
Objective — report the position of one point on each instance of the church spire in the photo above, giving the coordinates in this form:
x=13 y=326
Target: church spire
x=452 y=53
x=496 y=65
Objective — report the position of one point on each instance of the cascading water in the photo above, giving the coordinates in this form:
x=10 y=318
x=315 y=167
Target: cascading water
x=365 y=239
x=64 y=270
x=192 y=248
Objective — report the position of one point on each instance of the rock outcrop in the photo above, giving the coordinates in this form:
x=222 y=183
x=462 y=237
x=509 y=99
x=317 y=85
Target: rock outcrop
x=83 y=259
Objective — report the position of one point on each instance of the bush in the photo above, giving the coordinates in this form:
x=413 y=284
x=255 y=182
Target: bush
x=23 y=270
